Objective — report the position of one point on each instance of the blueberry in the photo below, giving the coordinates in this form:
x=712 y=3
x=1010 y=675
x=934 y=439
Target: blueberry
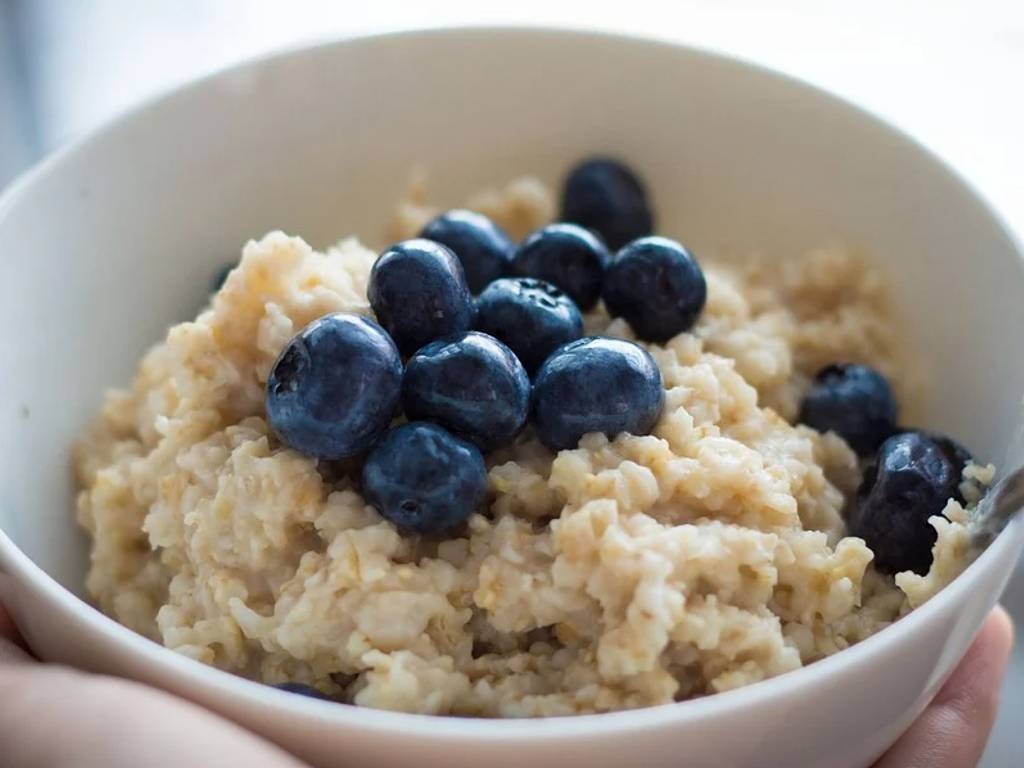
x=481 y=245
x=302 y=689
x=568 y=256
x=910 y=481
x=958 y=456
x=855 y=402
x=604 y=195
x=596 y=384
x=424 y=479
x=657 y=286
x=471 y=384
x=335 y=387
x=419 y=293
x=532 y=317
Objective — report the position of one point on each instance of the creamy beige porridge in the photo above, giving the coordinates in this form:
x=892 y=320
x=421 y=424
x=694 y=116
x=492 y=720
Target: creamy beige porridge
x=708 y=555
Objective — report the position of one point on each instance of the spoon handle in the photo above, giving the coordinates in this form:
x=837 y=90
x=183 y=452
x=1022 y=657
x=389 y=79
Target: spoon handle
x=994 y=511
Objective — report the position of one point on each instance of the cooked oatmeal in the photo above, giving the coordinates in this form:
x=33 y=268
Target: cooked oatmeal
x=708 y=555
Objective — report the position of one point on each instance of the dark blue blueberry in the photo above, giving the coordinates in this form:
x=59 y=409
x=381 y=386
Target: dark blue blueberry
x=957 y=454
x=910 y=481
x=419 y=293
x=568 y=256
x=483 y=248
x=657 y=286
x=532 y=317
x=335 y=387
x=596 y=384
x=302 y=689
x=855 y=402
x=471 y=384
x=424 y=479
x=604 y=195
x=221 y=276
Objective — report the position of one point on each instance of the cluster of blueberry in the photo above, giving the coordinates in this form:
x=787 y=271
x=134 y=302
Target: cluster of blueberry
x=911 y=474
x=477 y=368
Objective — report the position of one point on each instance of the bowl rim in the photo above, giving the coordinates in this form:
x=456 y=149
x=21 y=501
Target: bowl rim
x=1002 y=551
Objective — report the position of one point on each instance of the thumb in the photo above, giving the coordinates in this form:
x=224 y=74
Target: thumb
x=954 y=729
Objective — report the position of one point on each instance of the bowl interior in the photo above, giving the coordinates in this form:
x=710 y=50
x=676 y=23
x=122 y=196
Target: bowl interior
x=110 y=242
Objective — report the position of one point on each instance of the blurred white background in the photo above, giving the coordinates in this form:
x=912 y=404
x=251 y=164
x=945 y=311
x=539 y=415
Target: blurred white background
x=948 y=71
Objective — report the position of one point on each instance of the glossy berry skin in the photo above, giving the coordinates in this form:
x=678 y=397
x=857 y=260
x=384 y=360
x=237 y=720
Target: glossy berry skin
x=657 y=286
x=472 y=385
x=854 y=401
x=911 y=480
x=481 y=245
x=568 y=256
x=302 y=690
x=596 y=384
x=424 y=479
x=533 y=318
x=604 y=195
x=335 y=387
x=957 y=454
x=419 y=293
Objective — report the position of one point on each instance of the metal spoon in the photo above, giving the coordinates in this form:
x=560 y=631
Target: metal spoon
x=994 y=511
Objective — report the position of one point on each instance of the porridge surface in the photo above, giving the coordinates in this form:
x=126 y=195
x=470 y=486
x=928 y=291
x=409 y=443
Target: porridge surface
x=625 y=573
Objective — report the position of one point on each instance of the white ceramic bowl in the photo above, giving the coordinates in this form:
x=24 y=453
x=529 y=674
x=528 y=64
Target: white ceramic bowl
x=110 y=241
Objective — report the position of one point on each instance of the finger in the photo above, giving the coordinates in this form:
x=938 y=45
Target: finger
x=114 y=724
x=12 y=653
x=12 y=647
x=7 y=628
x=954 y=728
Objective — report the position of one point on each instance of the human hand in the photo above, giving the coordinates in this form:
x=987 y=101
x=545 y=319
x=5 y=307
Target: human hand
x=55 y=717
x=954 y=729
